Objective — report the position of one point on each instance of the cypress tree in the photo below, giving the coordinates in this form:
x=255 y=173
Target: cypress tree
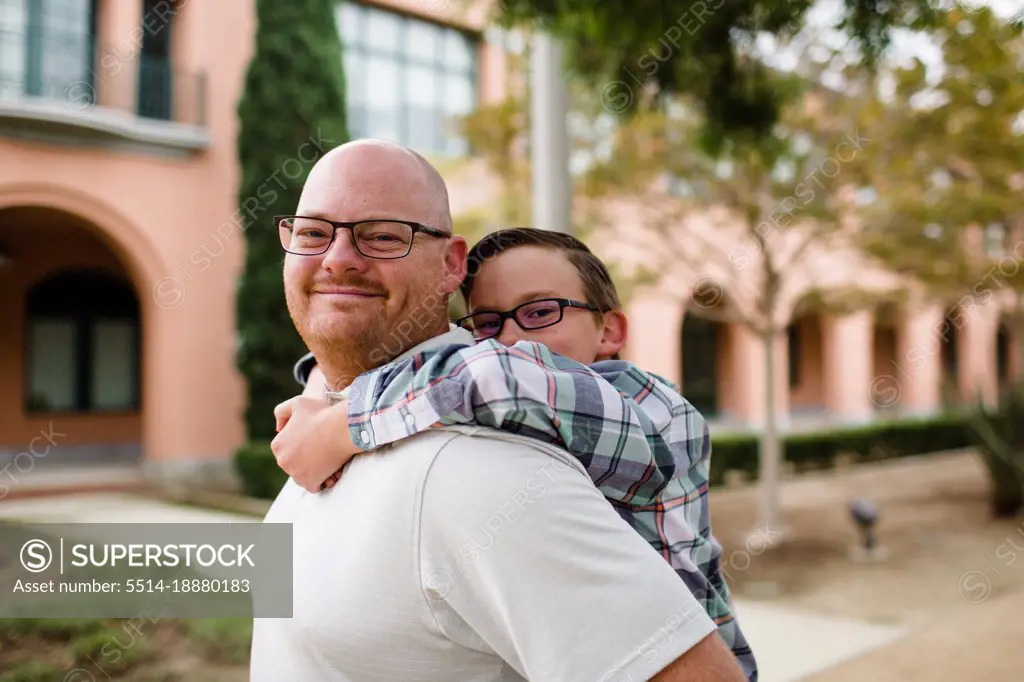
x=291 y=112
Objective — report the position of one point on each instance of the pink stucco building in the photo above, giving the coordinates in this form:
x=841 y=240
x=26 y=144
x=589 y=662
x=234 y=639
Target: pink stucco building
x=120 y=243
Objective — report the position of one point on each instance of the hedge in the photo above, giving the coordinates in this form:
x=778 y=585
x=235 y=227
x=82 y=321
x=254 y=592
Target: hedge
x=867 y=443
x=256 y=466
x=807 y=451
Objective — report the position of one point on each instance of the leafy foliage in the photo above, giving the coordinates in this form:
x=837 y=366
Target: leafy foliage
x=291 y=112
x=701 y=49
x=953 y=160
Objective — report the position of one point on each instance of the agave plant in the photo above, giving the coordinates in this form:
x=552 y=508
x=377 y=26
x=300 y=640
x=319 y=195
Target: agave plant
x=1000 y=436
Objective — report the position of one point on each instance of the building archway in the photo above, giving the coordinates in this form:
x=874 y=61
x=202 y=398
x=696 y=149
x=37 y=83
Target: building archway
x=71 y=288
x=887 y=373
x=702 y=344
x=952 y=385
x=806 y=365
x=707 y=350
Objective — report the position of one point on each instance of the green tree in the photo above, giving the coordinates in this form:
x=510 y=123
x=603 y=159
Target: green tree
x=948 y=210
x=737 y=224
x=291 y=112
x=701 y=48
x=949 y=178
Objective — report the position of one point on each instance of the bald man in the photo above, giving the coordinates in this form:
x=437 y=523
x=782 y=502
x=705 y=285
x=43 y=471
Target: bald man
x=465 y=555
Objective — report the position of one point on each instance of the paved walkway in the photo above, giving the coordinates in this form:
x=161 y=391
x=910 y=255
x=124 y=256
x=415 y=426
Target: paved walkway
x=789 y=644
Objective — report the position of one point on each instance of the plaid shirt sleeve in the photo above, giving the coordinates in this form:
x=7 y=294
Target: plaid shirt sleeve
x=683 y=429
x=525 y=389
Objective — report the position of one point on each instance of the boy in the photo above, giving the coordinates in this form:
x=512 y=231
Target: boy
x=541 y=303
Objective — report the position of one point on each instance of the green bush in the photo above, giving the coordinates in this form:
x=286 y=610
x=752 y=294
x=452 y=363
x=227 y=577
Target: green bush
x=60 y=629
x=291 y=112
x=262 y=477
x=870 y=442
x=220 y=640
x=32 y=671
x=999 y=435
x=257 y=467
x=116 y=651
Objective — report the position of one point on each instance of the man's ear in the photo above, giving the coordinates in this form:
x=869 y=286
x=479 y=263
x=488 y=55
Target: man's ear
x=455 y=264
x=614 y=333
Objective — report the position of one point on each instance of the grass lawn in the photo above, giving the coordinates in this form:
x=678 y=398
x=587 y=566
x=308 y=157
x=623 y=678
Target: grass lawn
x=136 y=650
x=148 y=648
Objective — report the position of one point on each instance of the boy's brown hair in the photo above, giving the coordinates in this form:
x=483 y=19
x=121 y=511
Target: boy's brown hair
x=598 y=287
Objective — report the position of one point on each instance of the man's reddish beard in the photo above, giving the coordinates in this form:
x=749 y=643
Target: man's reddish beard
x=346 y=350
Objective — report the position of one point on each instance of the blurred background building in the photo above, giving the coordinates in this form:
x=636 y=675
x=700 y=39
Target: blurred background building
x=121 y=237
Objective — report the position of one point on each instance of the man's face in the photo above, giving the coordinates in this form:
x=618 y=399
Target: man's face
x=527 y=273
x=355 y=312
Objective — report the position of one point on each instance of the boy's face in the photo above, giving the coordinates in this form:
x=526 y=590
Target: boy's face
x=527 y=273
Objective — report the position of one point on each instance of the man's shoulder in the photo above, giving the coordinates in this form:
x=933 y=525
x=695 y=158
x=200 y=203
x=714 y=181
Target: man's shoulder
x=497 y=446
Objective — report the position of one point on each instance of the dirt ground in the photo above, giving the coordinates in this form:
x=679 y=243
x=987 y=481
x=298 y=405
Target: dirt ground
x=953 y=575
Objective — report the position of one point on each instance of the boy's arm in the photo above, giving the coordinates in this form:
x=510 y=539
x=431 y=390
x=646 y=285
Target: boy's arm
x=525 y=389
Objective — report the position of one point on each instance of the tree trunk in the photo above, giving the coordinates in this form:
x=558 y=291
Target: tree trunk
x=1017 y=327
x=769 y=447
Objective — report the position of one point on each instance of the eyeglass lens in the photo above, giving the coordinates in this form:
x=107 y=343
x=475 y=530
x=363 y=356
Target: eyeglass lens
x=533 y=315
x=382 y=239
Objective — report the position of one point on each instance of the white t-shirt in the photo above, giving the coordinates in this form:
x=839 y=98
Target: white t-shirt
x=471 y=555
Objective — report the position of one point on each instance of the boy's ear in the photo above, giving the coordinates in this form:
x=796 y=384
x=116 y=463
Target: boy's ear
x=614 y=333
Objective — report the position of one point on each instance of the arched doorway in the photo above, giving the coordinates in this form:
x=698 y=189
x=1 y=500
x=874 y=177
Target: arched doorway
x=949 y=345
x=701 y=346
x=1005 y=364
x=806 y=365
x=72 y=364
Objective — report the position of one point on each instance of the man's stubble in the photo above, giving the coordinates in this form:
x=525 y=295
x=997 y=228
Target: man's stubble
x=347 y=343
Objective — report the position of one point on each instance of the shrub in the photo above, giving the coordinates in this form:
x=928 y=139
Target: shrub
x=870 y=442
x=999 y=435
x=32 y=671
x=220 y=640
x=257 y=467
x=115 y=651
x=291 y=112
x=877 y=441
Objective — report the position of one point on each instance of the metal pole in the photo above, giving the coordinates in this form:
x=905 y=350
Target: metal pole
x=549 y=137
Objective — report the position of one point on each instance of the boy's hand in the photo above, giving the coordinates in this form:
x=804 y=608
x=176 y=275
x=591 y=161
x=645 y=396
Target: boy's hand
x=313 y=441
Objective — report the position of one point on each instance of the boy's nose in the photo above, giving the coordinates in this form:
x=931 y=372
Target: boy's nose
x=510 y=333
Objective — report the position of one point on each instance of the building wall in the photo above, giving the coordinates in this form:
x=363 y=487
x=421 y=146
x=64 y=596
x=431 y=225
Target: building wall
x=156 y=203
x=155 y=206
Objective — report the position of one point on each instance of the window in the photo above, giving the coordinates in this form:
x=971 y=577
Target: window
x=406 y=79
x=155 y=74
x=82 y=344
x=46 y=48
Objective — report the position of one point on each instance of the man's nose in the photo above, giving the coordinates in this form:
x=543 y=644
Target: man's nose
x=343 y=255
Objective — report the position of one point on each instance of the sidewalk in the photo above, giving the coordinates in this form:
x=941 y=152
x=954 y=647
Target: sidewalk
x=973 y=642
x=111 y=508
x=791 y=644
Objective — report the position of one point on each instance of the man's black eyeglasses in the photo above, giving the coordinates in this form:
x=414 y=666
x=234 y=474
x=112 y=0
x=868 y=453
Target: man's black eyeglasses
x=383 y=239
x=544 y=312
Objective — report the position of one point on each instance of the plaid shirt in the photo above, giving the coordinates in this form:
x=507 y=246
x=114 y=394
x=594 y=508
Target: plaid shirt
x=645 y=446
